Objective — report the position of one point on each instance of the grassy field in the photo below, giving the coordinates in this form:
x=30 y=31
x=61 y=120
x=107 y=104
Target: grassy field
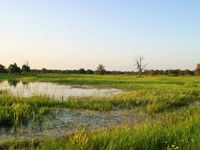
x=170 y=103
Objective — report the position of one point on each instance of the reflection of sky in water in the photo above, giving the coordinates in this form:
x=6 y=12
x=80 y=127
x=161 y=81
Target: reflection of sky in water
x=53 y=89
x=67 y=121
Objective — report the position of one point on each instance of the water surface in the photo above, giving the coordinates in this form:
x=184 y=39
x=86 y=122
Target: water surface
x=66 y=121
x=61 y=121
x=54 y=90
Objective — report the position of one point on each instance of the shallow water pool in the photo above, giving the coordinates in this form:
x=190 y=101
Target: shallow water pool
x=66 y=121
x=54 y=90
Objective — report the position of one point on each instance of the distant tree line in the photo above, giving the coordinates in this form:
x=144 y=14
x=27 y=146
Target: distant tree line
x=171 y=72
x=15 y=69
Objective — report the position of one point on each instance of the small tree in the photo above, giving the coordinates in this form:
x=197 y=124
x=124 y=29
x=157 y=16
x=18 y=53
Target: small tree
x=81 y=71
x=140 y=65
x=100 y=69
x=44 y=70
x=13 y=68
x=2 y=69
x=26 y=68
x=89 y=71
x=197 y=70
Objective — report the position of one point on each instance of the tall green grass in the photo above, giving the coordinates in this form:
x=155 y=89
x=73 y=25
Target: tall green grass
x=171 y=103
x=169 y=131
x=148 y=101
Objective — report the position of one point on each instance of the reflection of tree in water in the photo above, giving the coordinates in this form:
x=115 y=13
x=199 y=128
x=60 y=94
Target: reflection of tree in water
x=13 y=82
x=24 y=82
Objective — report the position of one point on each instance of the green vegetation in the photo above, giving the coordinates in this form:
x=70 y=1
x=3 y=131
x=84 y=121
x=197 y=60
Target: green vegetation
x=171 y=104
x=15 y=111
x=13 y=68
x=2 y=69
x=139 y=64
x=171 y=131
x=25 y=68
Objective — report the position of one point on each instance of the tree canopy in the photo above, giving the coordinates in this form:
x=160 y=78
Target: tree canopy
x=26 y=68
x=13 y=68
x=2 y=69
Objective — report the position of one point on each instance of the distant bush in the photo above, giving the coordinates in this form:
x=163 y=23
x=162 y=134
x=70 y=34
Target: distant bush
x=26 y=68
x=2 y=69
x=44 y=70
x=13 y=68
x=89 y=71
x=171 y=72
x=81 y=71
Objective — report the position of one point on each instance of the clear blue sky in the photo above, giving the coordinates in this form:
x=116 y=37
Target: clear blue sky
x=71 y=34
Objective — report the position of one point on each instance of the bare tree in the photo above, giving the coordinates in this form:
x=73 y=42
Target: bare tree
x=140 y=65
x=197 y=70
x=100 y=69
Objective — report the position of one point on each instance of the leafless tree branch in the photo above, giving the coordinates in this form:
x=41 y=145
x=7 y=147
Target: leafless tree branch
x=139 y=62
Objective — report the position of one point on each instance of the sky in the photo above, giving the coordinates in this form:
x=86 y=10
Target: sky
x=73 y=34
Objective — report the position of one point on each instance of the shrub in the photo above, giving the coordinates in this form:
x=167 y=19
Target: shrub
x=13 y=68
x=2 y=69
x=26 y=68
